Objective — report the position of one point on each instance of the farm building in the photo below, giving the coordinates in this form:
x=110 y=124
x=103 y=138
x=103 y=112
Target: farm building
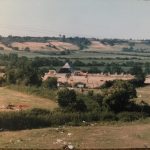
x=65 y=69
x=67 y=77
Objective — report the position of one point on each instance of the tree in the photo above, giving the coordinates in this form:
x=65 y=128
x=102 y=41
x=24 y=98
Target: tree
x=147 y=68
x=116 y=69
x=67 y=98
x=107 y=69
x=11 y=77
x=117 y=97
x=94 y=70
x=137 y=71
x=80 y=106
x=50 y=83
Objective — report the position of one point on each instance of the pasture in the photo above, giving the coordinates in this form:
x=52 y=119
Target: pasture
x=12 y=97
x=126 y=135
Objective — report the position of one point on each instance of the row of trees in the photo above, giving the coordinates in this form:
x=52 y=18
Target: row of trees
x=31 y=70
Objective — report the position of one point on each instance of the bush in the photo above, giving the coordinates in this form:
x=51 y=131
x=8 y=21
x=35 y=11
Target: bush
x=22 y=120
x=117 y=97
x=50 y=83
x=67 y=98
x=38 y=118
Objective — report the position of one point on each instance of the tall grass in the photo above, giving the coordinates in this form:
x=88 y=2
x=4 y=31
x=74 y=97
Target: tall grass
x=37 y=91
x=38 y=118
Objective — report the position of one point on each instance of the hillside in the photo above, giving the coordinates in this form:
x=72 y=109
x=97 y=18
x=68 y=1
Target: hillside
x=51 y=44
x=11 y=97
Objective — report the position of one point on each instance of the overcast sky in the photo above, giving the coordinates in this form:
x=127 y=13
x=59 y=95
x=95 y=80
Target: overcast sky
x=92 y=18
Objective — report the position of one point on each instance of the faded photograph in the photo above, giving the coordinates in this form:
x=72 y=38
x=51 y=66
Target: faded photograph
x=74 y=74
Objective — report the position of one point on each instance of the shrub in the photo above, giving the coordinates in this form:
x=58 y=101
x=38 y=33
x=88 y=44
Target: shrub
x=117 y=97
x=67 y=98
x=50 y=83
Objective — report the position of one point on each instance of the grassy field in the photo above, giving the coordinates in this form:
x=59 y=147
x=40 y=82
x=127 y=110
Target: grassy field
x=94 y=135
x=131 y=135
x=17 y=98
x=144 y=94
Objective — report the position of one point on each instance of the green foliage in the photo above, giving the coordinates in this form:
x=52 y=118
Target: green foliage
x=37 y=91
x=137 y=71
x=90 y=103
x=67 y=98
x=80 y=106
x=50 y=83
x=21 y=71
x=147 y=68
x=107 y=84
x=94 y=70
x=37 y=118
x=117 y=97
x=113 y=68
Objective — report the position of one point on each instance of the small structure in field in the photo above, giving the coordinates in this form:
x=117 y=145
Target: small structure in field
x=65 y=69
x=66 y=77
x=80 y=85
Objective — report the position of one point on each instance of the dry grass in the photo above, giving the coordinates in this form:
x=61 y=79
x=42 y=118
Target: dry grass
x=39 y=46
x=34 y=46
x=144 y=94
x=64 y=45
x=5 y=47
x=92 y=80
x=16 y=98
x=97 y=46
x=98 y=136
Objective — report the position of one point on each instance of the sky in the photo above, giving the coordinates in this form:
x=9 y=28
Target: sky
x=89 y=18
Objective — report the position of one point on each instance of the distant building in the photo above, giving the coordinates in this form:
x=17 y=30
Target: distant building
x=80 y=85
x=65 y=69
